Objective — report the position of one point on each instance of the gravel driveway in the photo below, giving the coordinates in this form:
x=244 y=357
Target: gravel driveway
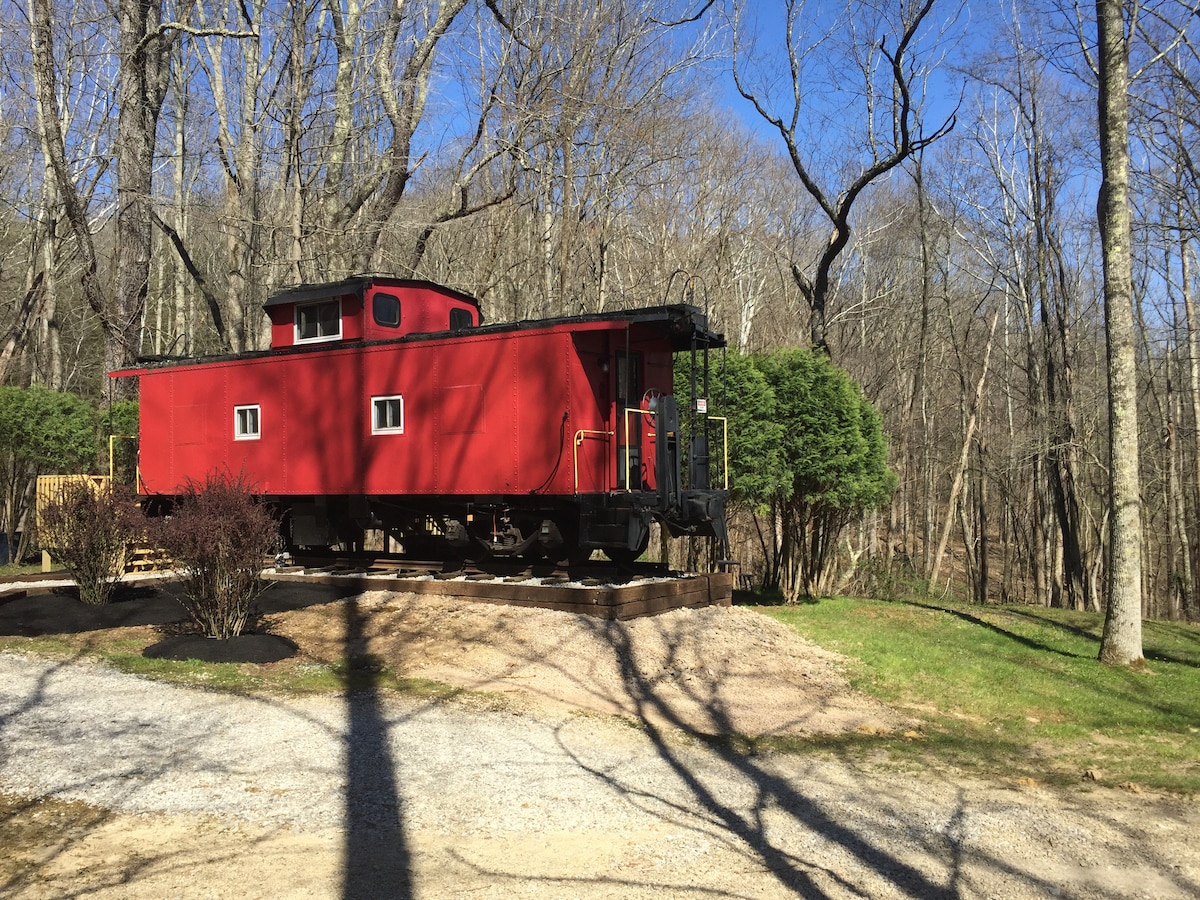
x=216 y=795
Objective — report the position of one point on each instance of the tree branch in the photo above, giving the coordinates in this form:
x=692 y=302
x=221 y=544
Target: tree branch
x=210 y=300
x=694 y=18
x=20 y=327
x=160 y=31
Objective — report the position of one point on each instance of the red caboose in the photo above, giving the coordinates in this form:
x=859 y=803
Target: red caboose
x=385 y=404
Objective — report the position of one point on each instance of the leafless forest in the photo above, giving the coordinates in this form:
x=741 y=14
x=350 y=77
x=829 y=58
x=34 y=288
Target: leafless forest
x=912 y=186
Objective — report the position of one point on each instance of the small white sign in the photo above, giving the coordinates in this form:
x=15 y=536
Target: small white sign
x=702 y=405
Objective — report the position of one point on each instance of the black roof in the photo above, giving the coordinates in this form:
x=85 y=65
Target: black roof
x=683 y=322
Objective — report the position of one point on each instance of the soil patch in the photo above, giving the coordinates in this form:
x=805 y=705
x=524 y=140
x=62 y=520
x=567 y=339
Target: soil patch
x=60 y=611
x=716 y=670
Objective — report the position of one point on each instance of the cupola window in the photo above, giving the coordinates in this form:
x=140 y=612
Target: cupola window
x=319 y=321
x=386 y=309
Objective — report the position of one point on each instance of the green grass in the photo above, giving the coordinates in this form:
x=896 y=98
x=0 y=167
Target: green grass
x=8 y=570
x=1017 y=691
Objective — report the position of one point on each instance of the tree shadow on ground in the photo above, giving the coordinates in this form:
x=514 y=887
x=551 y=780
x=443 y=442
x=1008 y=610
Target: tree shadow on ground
x=54 y=824
x=1183 y=633
x=704 y=807
x=376 y=857
x=947 y=876
x=771 y=790
x=882 y=841
x=377 y=861
x=1021 y=639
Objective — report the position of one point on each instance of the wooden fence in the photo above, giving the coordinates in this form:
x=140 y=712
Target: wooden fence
x=53 y=489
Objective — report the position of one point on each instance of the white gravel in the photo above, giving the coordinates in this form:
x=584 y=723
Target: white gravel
x=730 y=825
x=46 y=584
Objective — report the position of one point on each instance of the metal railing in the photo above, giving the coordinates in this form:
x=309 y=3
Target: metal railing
x=580 y=436
x=585 y=433
x=628 y=459
x=724 y=420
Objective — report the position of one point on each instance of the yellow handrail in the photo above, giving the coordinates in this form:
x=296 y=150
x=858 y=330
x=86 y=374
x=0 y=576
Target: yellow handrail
x=580 y=437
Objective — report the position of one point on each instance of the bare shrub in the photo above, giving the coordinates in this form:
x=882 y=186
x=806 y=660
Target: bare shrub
x=218 y=535
x=90 y=530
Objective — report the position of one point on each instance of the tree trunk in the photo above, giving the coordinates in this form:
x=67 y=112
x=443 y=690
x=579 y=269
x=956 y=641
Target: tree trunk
x=918 y=451
x=178 y=292
x=1192 y=321
x=50 y=132
x=981 y=592
x=1121 y=642
x=20 y=329
x=140 y=96
x=964 y=457
x=1178 y=550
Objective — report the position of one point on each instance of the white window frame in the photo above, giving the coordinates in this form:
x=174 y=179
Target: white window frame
x=321 y=338
x=246 y=435
x=376 y=428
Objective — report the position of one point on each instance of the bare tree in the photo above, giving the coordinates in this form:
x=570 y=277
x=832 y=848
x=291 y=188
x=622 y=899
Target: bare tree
x=144 y=65
x=143 y=57
x=1166 y=123
x=50 y=121
x=393 y=48
x=600 y=88
x=1025 y=135
x=235 y=73
x=888 y=82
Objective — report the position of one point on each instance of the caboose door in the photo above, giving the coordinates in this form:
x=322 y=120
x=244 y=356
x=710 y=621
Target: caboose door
x=629 y=426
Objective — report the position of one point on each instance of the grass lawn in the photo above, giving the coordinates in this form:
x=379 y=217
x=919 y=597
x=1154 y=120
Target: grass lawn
x=10 y=570
x=1016 y=691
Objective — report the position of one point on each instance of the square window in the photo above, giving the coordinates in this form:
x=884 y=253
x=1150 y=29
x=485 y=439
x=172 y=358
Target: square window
x=387 y=415
x=246 y=423
x=319 y=321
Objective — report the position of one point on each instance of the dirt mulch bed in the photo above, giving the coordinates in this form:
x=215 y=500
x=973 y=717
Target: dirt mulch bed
x=713 y=671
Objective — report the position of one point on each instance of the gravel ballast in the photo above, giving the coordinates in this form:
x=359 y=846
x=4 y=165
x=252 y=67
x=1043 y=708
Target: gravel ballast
x=384 y=796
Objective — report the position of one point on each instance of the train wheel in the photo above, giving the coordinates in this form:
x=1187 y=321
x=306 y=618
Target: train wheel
x=534 y=553
x=572 y=554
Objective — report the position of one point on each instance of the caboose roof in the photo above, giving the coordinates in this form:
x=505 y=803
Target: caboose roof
x=357 y=285
x=681 y=322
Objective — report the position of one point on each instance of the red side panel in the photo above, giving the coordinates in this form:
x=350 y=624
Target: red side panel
x=482 y=414
x=283 y=325
x=423 y=310
x=352 y=318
